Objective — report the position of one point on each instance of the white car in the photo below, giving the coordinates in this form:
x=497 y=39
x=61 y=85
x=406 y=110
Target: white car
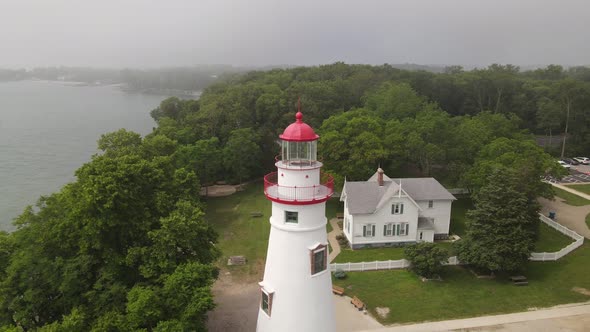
x=582 y=160
x=564 y=164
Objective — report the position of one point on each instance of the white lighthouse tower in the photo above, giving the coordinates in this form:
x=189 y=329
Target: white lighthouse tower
x=296 y=292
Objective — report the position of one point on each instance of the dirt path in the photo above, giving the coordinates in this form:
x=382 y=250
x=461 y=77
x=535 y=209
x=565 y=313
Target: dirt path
x=237 y=305
x=573 y=217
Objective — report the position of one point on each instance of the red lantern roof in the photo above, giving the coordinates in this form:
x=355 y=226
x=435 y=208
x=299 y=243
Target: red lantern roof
x=299 y=131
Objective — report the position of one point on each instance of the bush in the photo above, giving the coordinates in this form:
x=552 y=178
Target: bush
x=339 y=274
x=426 y=258
x=342 y=241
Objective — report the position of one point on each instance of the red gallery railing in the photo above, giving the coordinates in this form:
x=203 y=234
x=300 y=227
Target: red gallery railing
x=298 y=195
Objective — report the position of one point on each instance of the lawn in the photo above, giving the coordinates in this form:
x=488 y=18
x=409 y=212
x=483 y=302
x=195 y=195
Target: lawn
x=585 y=188
x=569 y=198
x=242 y=234
x=239 y=232
x=551 y=240
x=460 y=294
x=588 y=221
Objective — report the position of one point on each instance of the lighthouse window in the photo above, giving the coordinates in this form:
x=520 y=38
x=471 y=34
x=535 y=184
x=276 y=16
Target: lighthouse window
x=319 y=259
x=266 y=302
x=291 y=217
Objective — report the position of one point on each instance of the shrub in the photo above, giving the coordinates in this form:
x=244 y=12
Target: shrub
x=426 y=258
x=342 y=241
x=339 y=274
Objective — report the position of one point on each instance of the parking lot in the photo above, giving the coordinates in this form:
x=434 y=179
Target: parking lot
x=578 y=174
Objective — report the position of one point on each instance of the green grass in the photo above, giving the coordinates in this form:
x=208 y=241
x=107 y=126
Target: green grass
x=551 y=240
x=585 y=188
x=458 y=219
x=569 y=198
x=460 y=294
x=240 y=233
x=588 y=221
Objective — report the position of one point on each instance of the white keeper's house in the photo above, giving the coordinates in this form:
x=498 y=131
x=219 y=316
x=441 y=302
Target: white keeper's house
x=391 y=212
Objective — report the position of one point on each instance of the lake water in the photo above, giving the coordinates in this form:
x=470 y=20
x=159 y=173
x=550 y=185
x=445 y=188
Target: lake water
x=49 y=129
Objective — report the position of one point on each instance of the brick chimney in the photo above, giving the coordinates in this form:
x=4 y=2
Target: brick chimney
x=380 y=176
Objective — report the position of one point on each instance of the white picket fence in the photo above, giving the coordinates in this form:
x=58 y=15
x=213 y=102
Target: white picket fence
x=403 y=263
x=553 y=256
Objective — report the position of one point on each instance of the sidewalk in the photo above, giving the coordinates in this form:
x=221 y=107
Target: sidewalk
x=332 y=239
x=568 y=310
x=569 y=189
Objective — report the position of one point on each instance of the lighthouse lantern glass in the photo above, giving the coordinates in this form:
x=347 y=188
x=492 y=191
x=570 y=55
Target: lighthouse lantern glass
x=299 y=153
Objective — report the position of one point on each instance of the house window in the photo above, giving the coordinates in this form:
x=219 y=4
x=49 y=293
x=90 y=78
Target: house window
x=402 y=229
x=397 y=208
x=369 y=230
x=266 y=301
x=291 y=217
x=430 y=204
x=319 y=259
x=388 y=229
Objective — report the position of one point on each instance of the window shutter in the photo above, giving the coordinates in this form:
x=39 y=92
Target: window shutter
x=373 y=230
x=385 y=230
x=401 y=208
x=407 y=229
x=393 y=209
x=364 y=230
x=396 y=229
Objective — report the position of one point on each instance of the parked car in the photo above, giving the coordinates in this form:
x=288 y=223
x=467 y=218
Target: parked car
x=570 y=161
x=582 y=160
x=564 y=164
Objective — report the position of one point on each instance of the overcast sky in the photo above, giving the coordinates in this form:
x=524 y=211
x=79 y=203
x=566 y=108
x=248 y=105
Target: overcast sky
x=148 y=33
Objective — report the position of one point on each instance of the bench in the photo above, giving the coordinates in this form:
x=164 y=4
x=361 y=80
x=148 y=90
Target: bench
x=521 y=283
x=338 y=290
x=357 y=303
x=256 y=214
x=518 y=278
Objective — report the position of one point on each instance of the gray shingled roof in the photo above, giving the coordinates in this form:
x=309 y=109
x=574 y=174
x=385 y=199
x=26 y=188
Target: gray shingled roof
x=423 y=189
x=363 y=197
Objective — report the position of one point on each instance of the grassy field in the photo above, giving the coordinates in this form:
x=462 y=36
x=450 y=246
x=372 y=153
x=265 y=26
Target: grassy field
x=461 y=294
x=551 y=240
x=569 y=198
x=240 y=233
x=585 y=188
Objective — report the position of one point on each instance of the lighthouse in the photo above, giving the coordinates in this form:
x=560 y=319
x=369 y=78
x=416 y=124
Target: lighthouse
x=296 y=291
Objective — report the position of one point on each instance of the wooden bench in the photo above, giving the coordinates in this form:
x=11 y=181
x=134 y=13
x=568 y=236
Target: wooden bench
x=236 y=260
x=256 y=214
x=338 y=290
x=521 y=283
x=518 y=278
x=357 y=303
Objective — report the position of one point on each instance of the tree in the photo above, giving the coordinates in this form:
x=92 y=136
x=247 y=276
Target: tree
x=549 y=117
x=501 y=229
x=426 y=258
x=242 y=154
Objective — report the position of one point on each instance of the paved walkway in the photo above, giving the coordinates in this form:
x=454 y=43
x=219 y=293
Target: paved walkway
x=332 y=239
x=573 y=217
x=571 y=317
x=573 y=191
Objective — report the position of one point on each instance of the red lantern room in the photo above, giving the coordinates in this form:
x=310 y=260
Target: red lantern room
x=298 y=180
x=299 y=143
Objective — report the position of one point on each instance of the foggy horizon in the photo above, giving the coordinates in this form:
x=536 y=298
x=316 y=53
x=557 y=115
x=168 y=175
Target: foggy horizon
x=264 y=33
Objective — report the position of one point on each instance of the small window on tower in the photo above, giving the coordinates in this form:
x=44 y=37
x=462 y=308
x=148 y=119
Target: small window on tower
x=319 y=259
x=291 y=217
x=266 y=301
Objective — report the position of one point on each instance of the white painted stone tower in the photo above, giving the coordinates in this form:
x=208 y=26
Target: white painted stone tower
x=296 y=292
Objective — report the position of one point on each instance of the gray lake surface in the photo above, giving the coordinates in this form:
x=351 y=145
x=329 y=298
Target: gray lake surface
x=49 y=129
